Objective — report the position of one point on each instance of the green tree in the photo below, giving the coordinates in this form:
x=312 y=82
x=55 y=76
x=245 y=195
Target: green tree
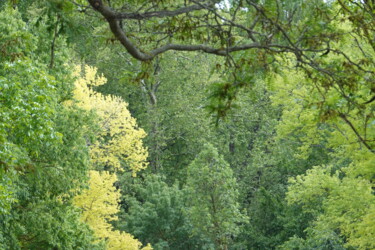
x=339 y=119
x=43 y=148
x=154 y=212
x=305 y=32
x=212 y=194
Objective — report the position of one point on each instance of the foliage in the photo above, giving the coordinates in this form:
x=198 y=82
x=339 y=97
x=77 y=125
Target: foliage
x=119 y=139
x=16 y=40
x=339 y=193
x=155 y=213
x=43 y=156
x=213 y=208
x=342 y=206
x=100 y=206
x=292 y=95
x=99 y=203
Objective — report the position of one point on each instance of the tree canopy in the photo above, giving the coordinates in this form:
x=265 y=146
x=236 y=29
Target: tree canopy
x=195 y=124
x=330 y=41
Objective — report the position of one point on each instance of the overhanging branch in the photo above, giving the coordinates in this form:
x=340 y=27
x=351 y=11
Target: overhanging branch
x=158 y=14
x=112 y=18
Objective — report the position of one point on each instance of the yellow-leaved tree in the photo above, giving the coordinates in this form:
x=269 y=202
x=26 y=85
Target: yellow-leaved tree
x=119 y=141
x=119 y=138
x=100 y=206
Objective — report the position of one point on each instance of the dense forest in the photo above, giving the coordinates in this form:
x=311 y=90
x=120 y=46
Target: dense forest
x=187 y=124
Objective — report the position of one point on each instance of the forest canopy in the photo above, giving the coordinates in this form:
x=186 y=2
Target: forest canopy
x=195 y=124
x=331 y=41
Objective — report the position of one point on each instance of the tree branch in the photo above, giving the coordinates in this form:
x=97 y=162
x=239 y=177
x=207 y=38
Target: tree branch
x=158 y=14
x=343 y=116
x=112 y=18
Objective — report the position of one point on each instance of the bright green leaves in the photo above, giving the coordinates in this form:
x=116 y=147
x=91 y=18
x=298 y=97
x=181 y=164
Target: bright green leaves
x=15 y=41
x=311 y=188
x=6 y=191
x=27 y=95
x=346 y=204
x=43 y=150
x=327 y=106
x=27 y=101
x=339 y=197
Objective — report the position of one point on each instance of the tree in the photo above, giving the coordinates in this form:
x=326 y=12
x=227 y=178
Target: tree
x=100 y=206
x=339 y=119
x=154 y=212
x=261 y=32
x=43 y=157
x=291 y=84
x=173 y=143
x=269 y=27
x=213 y=208
x=346 y=205
x=20 y=119
x=118 y=140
